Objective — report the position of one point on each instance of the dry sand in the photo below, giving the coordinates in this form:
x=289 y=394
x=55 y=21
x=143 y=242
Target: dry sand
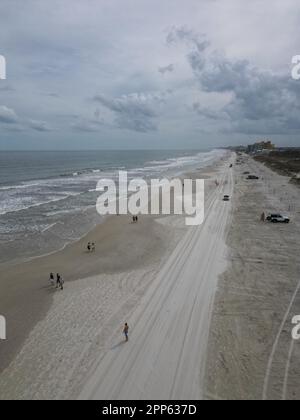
x=166 y=354
x=252 y=354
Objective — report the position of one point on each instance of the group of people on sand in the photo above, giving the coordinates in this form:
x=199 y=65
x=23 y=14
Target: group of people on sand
x=91 y=247
x=135 y=219
x=59 y=281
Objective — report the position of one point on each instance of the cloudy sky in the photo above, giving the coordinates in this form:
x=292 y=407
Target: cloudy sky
x=117 y=74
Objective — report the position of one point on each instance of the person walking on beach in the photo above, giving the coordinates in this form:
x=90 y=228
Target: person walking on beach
x=263 y=217
x=57 y=280
x=125 y=331
x=61 y=283
x=51 y=278
x=93 y=248
x=89 y=247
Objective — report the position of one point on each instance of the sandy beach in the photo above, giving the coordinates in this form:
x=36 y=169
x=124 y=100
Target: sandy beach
x=24 y=287
x=55 y=337
x=209 y=307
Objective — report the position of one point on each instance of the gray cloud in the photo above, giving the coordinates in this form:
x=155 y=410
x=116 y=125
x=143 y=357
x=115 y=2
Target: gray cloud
x=7 y=115
x=135 y=111
x=190 y=37
x=166 y=69
x=196 y=42
x=208 y=113
x=89 y=125
x=261 y=101
x=40 y=126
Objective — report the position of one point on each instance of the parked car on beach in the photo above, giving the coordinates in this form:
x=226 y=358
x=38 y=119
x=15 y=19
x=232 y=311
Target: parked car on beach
x=277 y=218
x=252 y=177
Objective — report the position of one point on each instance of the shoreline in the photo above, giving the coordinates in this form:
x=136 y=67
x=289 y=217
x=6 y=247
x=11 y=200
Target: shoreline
x=54 y=242
x=27 y=304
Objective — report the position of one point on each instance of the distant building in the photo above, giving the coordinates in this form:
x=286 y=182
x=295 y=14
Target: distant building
x=261 y=147
x=237 y=148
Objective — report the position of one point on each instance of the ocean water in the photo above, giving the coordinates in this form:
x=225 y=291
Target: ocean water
x=47 y=199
